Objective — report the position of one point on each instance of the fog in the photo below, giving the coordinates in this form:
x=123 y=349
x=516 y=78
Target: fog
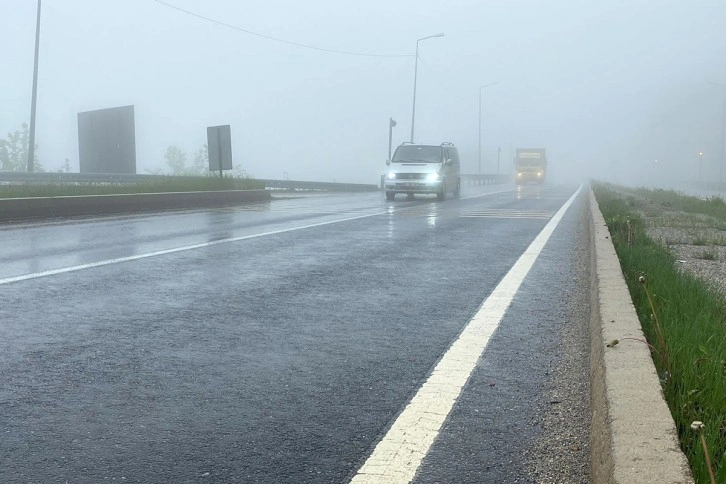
x=607 y=88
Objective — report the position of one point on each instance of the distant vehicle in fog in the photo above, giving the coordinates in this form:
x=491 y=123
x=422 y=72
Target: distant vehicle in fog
x=530 y=165
x=419 y=168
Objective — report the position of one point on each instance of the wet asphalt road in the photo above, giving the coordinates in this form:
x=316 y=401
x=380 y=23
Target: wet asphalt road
x=285 y=354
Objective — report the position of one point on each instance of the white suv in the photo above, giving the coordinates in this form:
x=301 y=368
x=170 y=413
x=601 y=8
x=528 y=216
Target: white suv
x=424 y=169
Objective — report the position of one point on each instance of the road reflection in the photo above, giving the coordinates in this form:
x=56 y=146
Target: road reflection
x=529 y=192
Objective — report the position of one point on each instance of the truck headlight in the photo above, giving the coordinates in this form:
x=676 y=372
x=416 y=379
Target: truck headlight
x=433 y=177
x=539 y=173
x=391 y=175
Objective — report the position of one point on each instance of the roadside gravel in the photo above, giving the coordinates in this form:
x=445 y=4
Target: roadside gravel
x=698 y=243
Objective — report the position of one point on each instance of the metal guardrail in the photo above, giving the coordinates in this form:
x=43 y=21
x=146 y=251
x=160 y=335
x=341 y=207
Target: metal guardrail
x=21 y=178
x=484 y=179
x=471 y=180
x=324 y=186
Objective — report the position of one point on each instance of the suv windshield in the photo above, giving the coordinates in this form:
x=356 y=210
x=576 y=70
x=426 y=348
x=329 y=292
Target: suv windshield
x=427 y=154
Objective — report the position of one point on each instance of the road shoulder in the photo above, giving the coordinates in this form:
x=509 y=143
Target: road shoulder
x=634 y=437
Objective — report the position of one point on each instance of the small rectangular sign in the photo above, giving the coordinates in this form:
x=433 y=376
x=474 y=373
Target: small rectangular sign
x=219 y=144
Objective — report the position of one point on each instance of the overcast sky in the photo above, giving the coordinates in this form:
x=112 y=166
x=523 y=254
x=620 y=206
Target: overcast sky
x=607 y=87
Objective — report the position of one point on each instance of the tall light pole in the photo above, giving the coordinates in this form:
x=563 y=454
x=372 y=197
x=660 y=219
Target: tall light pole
x=391 y=124
x=415 y=76
x=480 y=89
x=31 y=140
x=700 y=166
x=499 y=152
x=723 y=131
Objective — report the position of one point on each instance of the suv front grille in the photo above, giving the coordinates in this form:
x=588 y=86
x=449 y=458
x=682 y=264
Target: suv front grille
x=410 y=176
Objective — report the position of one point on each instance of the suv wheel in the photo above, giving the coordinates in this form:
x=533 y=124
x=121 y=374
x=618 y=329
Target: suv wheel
x=441 y=195
x=457 y=192
x=390 y=195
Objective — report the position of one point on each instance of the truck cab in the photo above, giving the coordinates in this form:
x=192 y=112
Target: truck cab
x=530 y=166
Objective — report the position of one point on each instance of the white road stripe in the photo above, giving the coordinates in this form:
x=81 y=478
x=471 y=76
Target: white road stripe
x=399 y=454
x=63 y=270
x=91 y=265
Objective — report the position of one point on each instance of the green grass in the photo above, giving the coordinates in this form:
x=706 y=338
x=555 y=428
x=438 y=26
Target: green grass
x=163 y=185
x=701 y=241
x=693 y=321
x=707 y=255
x=669 y=199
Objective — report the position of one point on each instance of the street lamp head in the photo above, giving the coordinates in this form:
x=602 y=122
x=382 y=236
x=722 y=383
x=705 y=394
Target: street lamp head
x=700 y=153
x=431 y=36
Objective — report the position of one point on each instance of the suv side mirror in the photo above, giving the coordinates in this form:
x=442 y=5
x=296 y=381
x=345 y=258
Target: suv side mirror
x=388 y=162
x=449 y=162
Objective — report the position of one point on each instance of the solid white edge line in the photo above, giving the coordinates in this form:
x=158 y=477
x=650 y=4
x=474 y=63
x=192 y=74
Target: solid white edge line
x=399 y=454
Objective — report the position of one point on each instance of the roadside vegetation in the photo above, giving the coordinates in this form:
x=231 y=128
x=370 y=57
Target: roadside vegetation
x=14 y=151
x=683 y=316
x=183 y=174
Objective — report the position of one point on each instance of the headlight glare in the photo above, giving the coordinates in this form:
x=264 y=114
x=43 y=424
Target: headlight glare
x=391 y=175
x=433 y=177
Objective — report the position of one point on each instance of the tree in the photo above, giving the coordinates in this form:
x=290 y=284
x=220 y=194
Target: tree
x=14 y=151
x=176 y=160
x=200 y=165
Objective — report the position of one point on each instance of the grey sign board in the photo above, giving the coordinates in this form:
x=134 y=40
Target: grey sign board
x=219 y=144
x=107 y=141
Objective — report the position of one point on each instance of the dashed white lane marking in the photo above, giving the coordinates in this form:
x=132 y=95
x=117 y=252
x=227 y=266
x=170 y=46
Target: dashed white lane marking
x=63 y=270
x=119 y=260
x=399 y=454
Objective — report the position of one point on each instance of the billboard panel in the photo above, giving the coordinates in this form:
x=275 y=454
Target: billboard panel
x=107 y=141
x=219 y=145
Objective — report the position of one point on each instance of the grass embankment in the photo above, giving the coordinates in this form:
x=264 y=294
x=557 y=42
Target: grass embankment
x=692 y=365
x=163 y=185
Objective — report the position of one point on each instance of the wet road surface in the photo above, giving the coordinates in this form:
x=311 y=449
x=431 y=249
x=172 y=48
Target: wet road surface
x=279 y=341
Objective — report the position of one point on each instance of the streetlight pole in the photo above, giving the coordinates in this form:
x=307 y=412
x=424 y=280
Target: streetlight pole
x=499 y=152
x=723 y=133
x=415 y=77
x=480 y=89
x=700 y=167
x=723 y=130
x=391 y=124
x=31 y=141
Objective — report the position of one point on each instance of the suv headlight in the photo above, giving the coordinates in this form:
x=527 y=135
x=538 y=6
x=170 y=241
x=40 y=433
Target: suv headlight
x=391 y=175
x=433 y=177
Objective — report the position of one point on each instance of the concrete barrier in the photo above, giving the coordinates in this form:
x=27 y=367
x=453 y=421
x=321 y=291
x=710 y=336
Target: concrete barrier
x=634 y=438
x=15 y=209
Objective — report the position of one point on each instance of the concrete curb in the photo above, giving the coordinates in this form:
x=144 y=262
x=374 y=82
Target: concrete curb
x=634 y=438
x=16 y=209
